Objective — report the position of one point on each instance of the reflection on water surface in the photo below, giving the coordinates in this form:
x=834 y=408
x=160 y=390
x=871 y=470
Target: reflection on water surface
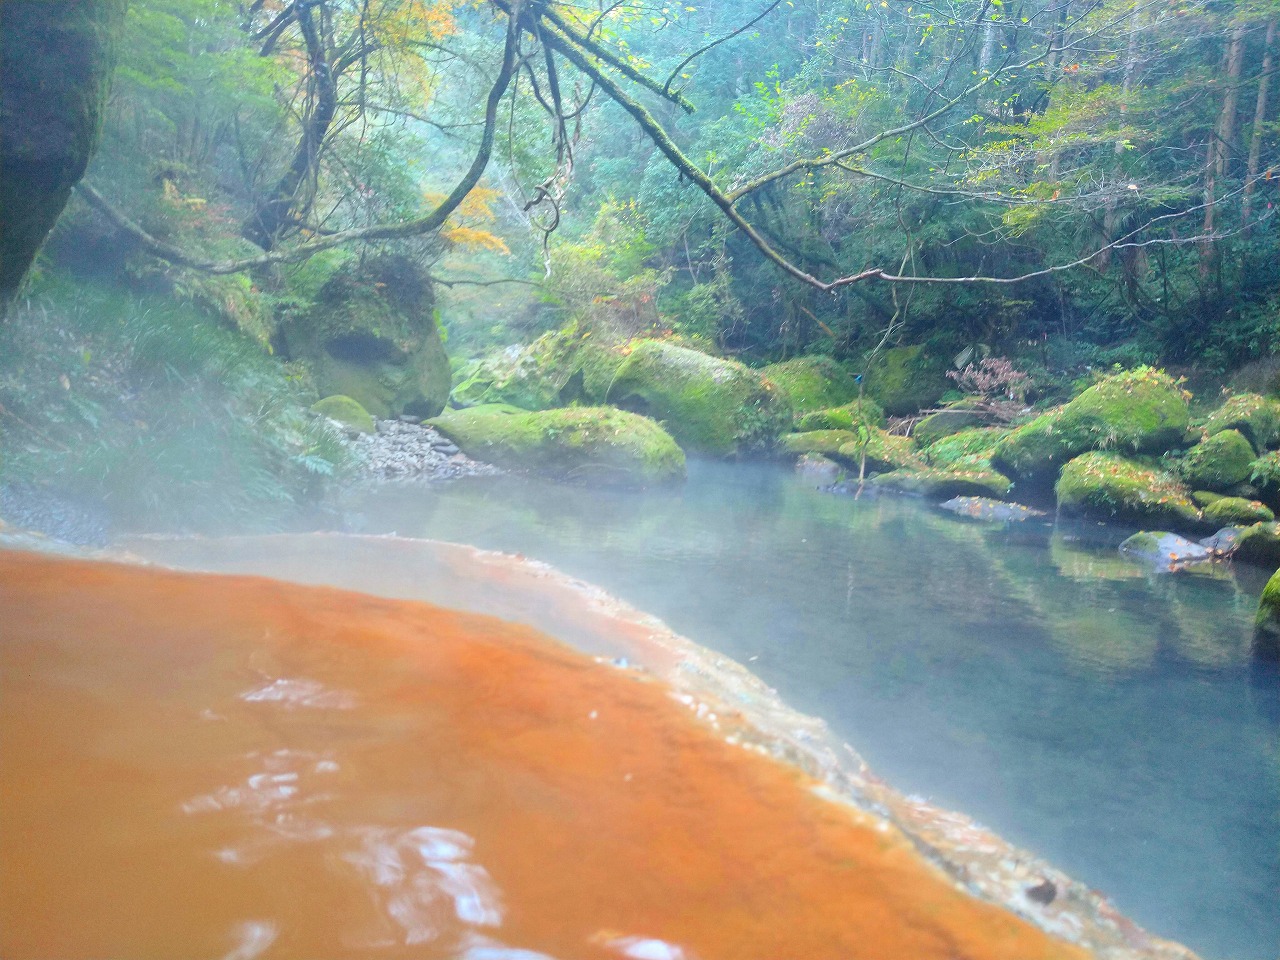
x=1104 y=717
x=237 y=768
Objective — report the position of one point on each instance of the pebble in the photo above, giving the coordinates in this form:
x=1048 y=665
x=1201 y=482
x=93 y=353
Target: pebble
x=401 y=450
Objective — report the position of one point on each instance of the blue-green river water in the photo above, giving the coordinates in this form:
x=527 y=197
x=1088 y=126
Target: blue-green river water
x=1105 y=717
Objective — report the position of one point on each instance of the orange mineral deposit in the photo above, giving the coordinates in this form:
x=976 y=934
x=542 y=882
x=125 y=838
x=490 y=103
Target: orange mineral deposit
x=232 y=767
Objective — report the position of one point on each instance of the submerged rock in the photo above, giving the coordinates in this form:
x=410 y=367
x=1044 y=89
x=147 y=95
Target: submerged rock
x=984 y=508
x=710 y=405
x=1105 y=485
x=1166 y=552
x=586 y=444
x=1224 y=542
x=812 y=383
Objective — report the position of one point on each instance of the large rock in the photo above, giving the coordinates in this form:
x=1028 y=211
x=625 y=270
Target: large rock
x=1257 y=417
x=1139 y=411
x=961 y=415
x=994 y=511
x=966 y=450
x=1259 y=544
x=812 y=383
x=585 y=444
x=713 y=406
x=558 y=369
x=56 y=61
x=946 y=484
x=1165 y=552
x=865 y=412
x=883 y=451
x=1218 y=462
x=1266 y=631
x=904 y=380
x=372 y=335
x=1105 y=486
x=1237 y=511
x=345 y=411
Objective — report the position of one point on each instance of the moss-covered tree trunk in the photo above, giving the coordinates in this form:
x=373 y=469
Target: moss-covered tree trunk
x=55 y=66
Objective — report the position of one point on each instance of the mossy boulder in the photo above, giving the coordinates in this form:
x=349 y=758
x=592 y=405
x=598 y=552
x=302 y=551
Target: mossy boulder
x=904 y=380
x=818 y=467
x=824 y=442
x=847 y=417
x=884 y=451
x=56 y=61
x=558 y=369
x=812 y=383
x=961 y=415
x=345 y=411
x=1260 y=544
x=1138 y=411
x=372 y=335
x=1218 y=462
x=1237 y=511
x=1106 y=485
x=585 y=444
x=946 y=484
x=713 y=406
x=967 y=450
x=1266 y=629
x=1257 y=417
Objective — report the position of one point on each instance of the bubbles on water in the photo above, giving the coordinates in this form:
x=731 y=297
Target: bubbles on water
x=643 y=948
x=426 y=881
x=294 y=692
x=253 y=937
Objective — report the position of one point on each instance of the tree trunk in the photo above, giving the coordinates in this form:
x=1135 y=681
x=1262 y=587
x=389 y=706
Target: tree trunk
x=1226 y=134
x=1259 y=120
x=1130 y=65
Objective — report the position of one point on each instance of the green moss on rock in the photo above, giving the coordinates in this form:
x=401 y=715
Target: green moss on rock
x=945 y=484
x=1106 y=485
x=1257 y=417
x=812 y=383
x=713 y=406
x=847 y=417
x=558 y=369
x=961 y=415
x=371 y=335
x=1218 y=462
x=56 y=61
x=1237 y=511
x=584 y=444
x=903 y=380
x=1260 y=544
x=968 y=449
x=1138 y=411
x=345 y=411
x=1266 y=631
x=884 y=451
x=825 y=442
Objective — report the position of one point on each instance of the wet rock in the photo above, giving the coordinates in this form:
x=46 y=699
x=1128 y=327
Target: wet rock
x=586 y=444
x=1165 y=552
x=346 y=412
x=932 y=482
x=1266 y=631
x=710 y=405
x=1043 y=893
x=407 y=451
x=817 y=466
x=1224 y=542
x=1104 y=486
x=984 y=508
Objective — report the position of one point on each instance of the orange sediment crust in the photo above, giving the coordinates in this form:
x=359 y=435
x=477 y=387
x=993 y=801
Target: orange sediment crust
x=198 y=764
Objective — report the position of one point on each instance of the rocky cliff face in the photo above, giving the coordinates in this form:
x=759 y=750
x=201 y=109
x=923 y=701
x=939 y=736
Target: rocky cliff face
x=56 y=61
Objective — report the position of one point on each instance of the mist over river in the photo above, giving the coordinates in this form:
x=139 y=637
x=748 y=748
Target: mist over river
x=1105 y=717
